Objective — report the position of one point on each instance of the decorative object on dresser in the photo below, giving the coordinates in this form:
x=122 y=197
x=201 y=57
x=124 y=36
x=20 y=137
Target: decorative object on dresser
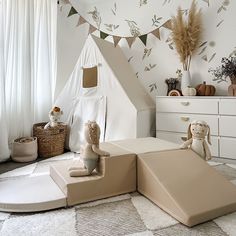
x=173 y=116
x=173 y=83
x=24 y=149
x=51 y=141
x=174 y=92
x=226 y=70
x=189 y=91
x=197 y=131
x=205 y=89
x=186 y=36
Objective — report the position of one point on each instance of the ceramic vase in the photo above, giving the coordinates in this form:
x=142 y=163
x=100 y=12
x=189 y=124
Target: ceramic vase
x=186 y=80
x=232 y=87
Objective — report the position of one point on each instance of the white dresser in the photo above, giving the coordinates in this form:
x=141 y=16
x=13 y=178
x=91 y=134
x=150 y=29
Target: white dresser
x=173 y=115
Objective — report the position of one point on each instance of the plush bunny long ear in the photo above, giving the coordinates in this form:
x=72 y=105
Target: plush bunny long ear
x=209 y=135
x=189 y=132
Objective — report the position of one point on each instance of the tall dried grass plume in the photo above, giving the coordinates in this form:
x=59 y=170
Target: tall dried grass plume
x=186 y=34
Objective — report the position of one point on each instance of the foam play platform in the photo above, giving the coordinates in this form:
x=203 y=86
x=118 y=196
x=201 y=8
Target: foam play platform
x=178 y=181
x=33 y=194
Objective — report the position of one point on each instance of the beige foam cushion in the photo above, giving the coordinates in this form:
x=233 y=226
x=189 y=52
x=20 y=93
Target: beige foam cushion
x=185 y=186
x=36 y=193
x=117 y=176
x=145 y=145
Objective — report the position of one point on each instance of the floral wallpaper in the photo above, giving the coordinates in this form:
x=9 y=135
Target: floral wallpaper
x=158 y=60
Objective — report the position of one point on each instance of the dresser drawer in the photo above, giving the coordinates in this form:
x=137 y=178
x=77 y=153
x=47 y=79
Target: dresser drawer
x=182 y=105
x=227 y=126
x=228 y=148
x=180 y=122
x=227 y=106
x=177 y=138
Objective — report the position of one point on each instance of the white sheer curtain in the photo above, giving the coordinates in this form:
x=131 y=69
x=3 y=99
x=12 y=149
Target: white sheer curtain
x=27 y=66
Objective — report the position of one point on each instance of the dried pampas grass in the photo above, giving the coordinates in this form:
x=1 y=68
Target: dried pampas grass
x=186 y=35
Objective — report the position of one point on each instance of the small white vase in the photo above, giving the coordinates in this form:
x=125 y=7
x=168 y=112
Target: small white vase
x=186 y=80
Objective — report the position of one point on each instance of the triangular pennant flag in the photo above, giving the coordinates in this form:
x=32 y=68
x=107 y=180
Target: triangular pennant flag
x=103 y=35
x=81 y=21
x=167 y=24
x=143 y=38
x=156 y=32
x=72 y=12
x=130 y=40
x=91 y=29
x=116 y=40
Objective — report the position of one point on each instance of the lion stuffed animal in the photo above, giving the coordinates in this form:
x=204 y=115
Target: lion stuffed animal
x=54 y=116
x=90 y=152
x=197 y=131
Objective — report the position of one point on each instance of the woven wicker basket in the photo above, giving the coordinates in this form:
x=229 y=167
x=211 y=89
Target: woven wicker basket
x=51 y=141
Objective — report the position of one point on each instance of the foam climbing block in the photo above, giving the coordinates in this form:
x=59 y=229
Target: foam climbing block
x=185 y=186
x=117 y=175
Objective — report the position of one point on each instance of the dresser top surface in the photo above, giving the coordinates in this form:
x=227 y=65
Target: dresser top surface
x=197 y=97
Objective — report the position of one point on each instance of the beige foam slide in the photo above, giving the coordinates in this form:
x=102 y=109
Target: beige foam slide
x=185 y=186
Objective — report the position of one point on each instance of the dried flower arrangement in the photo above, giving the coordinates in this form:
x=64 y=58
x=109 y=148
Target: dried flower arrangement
x=186 y=35
x=227 y=69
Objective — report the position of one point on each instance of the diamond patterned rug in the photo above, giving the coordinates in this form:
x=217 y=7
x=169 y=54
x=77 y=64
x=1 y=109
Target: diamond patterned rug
x=128 y=214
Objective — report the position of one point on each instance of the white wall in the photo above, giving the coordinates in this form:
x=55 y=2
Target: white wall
x=70 y=41
x=221 y=40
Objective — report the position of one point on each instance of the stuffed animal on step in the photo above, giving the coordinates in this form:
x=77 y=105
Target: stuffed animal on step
x=197 y=131
x=54 y=117
x=90 y=152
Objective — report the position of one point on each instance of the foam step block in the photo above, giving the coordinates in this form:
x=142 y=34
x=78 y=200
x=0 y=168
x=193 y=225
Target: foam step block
x=145 y=145
x=31 y=194
x=185 y=186
x=117 y=175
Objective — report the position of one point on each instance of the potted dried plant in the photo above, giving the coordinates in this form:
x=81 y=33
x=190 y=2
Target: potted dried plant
x=186 y=35
x=225 y=71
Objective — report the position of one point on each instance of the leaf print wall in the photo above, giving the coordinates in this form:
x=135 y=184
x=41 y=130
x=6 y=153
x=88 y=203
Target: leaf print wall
x=158 y=60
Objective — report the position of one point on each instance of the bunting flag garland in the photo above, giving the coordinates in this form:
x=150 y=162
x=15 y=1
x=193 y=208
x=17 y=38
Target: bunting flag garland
x=116 y=39
x=81 y=21
x=91 y=29
x=143 y=38
x=167 y=25
x=72 y=12
x=130 y=40
x=156 y=33
x=103 y=35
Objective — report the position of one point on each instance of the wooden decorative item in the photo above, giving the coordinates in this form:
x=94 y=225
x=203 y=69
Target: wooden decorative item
x=232 y=87
x=174 y=92
x=232 y=90
x=205 y=89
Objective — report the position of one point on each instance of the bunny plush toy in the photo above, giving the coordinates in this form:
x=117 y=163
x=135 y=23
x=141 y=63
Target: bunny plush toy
x=197 y=131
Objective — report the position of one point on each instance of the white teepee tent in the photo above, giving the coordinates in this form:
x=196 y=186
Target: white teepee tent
x=104 y=88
